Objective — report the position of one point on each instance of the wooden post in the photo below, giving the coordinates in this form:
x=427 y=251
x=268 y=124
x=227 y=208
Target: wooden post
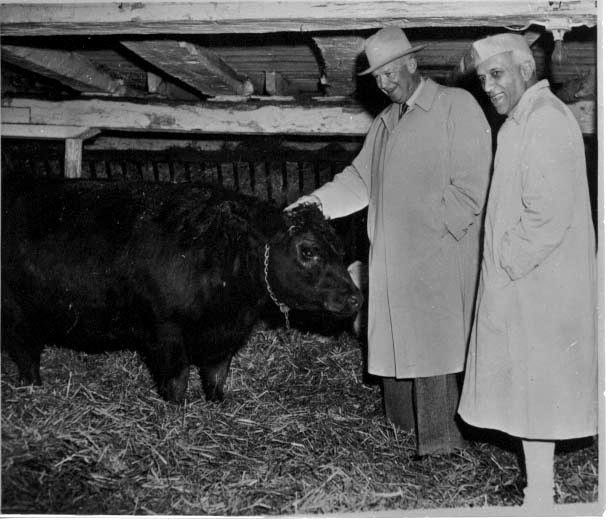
x=73 y=159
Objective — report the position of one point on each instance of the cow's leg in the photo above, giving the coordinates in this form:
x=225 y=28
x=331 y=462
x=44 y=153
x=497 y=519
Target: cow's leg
x=19 y=341
x=28 y=363
x=25 y=352
x=213 y=378
x=168 y=363
x=174 y=387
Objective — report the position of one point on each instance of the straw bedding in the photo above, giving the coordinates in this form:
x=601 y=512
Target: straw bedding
x=302 y=431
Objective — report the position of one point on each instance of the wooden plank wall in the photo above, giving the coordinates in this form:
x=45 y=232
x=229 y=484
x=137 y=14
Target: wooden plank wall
x=281 y=179
x=267 y=172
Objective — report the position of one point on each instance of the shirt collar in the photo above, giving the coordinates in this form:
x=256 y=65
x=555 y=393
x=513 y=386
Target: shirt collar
x=522 y=108
x=423 y=96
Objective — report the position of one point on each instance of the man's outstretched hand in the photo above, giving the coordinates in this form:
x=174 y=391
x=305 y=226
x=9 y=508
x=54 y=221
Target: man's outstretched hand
x=305 y=199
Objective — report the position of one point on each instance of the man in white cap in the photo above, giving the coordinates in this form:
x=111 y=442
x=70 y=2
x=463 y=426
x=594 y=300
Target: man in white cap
x=532 y=365
x=423 y=173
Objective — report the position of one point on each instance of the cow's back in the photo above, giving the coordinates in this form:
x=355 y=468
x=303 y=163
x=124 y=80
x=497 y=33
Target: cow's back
x=62 y=244
x=101 y=265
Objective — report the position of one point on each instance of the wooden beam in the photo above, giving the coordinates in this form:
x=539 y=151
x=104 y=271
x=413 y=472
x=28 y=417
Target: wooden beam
x=42 y=131
x=72 y=135
x=246 y=116
x=330 y=116
x=69 y=68
x=264 y=16
x=274 y=83
x=153 y=82
x=15 y=115
x=164 y=88
x=340 y=55
x=193 y=65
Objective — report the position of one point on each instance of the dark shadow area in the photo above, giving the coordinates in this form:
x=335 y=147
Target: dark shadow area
x=573 y=445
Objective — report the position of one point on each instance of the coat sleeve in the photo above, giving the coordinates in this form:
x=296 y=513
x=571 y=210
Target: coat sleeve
x=349 y=190
x=470 y=159
x=548 y=161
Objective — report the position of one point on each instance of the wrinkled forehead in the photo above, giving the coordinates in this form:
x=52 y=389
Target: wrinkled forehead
x=499 y=61
x=391 y=67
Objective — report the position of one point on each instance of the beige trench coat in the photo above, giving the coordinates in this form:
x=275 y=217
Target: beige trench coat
x=532 y=365
x=425 y=179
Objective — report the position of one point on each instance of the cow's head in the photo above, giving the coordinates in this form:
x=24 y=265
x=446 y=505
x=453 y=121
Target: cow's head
x=305 y=265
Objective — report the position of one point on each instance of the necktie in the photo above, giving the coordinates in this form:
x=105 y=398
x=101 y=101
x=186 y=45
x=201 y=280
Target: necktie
x=402 y=110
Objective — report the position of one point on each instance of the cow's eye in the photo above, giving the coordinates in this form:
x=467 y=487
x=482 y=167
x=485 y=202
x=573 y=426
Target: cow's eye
x=308 y=253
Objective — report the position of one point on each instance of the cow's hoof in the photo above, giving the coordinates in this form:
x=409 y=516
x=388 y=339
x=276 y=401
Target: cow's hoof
x=174 y=389
x=28 y=380
x=215 y=395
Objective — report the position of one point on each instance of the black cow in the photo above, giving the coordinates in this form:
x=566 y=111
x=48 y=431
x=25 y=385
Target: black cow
x=178 y=272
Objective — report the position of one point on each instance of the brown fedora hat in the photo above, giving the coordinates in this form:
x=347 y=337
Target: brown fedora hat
x=385 y=46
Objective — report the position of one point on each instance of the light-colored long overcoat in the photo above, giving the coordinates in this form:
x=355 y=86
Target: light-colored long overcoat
x=425 y=179
x=532 y=365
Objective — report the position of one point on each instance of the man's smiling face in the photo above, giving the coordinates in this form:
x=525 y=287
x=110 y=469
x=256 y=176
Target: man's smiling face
x=502 y=80
x=397 y=79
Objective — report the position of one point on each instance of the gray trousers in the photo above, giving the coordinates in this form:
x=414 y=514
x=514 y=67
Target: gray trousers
x=427 y=406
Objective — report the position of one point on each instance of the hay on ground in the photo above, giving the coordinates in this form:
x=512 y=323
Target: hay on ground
x=301 y=432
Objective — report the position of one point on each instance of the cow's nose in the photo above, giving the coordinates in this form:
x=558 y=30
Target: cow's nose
x=354 y=301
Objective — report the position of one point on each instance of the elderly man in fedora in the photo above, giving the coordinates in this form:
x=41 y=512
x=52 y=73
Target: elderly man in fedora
x=423 y=173
x=532 y=365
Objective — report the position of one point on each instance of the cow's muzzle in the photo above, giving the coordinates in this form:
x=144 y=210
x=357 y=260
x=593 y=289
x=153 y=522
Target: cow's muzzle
x=344 y=305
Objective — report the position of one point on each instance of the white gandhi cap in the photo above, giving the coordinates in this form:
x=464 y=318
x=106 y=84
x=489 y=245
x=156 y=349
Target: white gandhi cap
x=496 y=44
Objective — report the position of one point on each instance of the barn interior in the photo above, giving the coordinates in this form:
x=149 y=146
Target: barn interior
x=262 y=96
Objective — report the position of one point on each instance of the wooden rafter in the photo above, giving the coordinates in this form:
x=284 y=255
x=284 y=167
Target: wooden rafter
x=340 y=54
x=333 y=116
x=69 y=68
x=343 y=57
x=263 y=16
x=193 y=65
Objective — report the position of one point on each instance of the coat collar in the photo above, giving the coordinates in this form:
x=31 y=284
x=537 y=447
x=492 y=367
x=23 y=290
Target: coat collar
x=521 y=110
x=426 y=97
x=424 y=100
x=412 y=100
